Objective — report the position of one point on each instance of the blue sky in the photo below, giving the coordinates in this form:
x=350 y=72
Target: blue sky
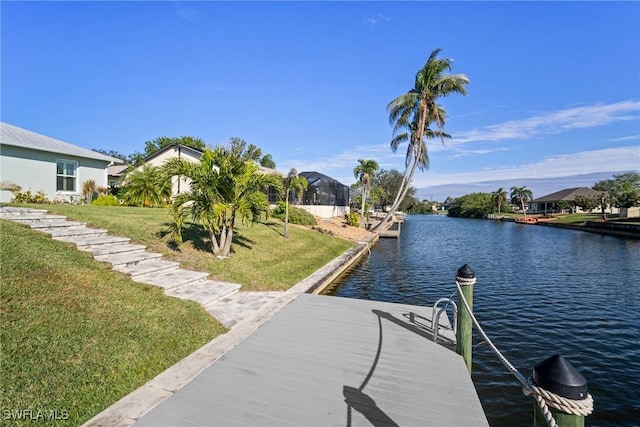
x=554 y=92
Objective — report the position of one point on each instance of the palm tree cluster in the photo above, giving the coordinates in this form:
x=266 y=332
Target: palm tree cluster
x=223 y=186
x=413 y=112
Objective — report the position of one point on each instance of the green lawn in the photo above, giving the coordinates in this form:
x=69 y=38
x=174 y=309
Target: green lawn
x=262 y=259
x=77 y=336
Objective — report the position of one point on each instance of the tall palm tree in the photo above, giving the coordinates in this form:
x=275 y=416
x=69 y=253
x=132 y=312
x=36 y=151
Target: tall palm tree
x=364 y=173
x=147 y=186
x=223 y=186
x=415 y=110
x=499 y=197
x=521 y=195
x=298 y=184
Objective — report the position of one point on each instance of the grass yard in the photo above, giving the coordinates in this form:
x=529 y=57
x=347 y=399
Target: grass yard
x=76 y=336
x=262 y=259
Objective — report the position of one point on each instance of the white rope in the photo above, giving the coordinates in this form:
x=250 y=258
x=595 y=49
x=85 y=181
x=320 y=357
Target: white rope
x=542 y=397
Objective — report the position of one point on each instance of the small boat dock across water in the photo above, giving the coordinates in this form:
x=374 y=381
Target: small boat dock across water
x=330 y=361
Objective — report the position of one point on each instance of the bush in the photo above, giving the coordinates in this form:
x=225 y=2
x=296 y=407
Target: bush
x=353 y=219
x=296 y=215
x=28 y=197
x=109 y=200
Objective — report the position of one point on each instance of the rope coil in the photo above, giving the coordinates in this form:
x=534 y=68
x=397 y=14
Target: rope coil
x=582 y=407
x=462 y=281
x=543 y=398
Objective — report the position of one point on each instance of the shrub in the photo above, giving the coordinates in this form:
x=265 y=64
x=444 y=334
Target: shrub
x=109 y=200
x=296 y=215
x=353 y=219
x=28 y=197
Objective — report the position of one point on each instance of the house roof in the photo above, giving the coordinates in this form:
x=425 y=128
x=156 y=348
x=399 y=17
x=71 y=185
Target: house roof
x=568 y=195
x=314 y=176
x=116 y=170
x=266 y=171
x=193 y=151
x=18 y=137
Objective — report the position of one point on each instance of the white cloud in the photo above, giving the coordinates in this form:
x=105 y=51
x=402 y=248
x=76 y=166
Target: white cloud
x=186 y=13
x=375 y=19
x=618 y=159
x=553 y=122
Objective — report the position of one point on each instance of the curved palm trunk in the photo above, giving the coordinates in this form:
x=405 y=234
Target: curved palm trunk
x=402 y=191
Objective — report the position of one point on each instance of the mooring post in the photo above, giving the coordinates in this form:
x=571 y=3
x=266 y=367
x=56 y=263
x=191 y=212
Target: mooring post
x=466 y=278
x=556 y=375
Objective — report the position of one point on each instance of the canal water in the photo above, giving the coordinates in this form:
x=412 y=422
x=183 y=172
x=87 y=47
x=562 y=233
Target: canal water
x=540 y=291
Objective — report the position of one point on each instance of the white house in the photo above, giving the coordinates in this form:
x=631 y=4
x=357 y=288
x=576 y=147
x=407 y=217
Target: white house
x=180 y=151
x=41 y=163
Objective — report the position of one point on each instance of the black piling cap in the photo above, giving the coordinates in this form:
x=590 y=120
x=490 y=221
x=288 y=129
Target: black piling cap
x=466 y=272
x=556 y=375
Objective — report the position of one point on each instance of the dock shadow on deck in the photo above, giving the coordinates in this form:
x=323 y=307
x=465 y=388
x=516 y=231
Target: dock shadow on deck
x=329 y=361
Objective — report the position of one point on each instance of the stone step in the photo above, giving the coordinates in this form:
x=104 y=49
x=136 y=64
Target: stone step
x=82 y=242
x=128 y=259
x=48 y=225
x=147 y=267
x=8 y=210
x=75 y=232
x=116 y=248
x=37 y=218
x=205 y=292
x=171 y=279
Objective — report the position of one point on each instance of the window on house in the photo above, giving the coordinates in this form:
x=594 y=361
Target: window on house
x=66 y=175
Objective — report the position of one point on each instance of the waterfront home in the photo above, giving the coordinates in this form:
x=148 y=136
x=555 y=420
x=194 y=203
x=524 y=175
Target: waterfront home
x=40 y=163
x=549 y=203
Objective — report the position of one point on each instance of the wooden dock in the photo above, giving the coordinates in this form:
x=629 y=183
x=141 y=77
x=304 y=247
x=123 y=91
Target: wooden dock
x=394 y=228
x=329 y=361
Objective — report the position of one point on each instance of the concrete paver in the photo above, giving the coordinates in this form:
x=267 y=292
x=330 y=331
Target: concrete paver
x=232 y=309
x=205 y=292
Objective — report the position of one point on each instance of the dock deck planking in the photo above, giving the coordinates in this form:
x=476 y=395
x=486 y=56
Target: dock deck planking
x=311 y=365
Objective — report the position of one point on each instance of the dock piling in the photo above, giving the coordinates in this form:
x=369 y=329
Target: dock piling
x=466 y=278
x=568 y=399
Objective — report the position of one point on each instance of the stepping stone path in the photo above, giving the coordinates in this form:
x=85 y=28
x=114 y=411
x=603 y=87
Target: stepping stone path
x=222 y=300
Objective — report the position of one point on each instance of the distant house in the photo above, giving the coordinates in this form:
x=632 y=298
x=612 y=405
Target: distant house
x=549 y=203
x=41 y=163
x=180 y=151
x=324 y=197
x=116 y=174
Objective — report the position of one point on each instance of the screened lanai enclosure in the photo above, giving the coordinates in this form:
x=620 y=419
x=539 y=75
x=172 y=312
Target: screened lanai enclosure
x=324 y=196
